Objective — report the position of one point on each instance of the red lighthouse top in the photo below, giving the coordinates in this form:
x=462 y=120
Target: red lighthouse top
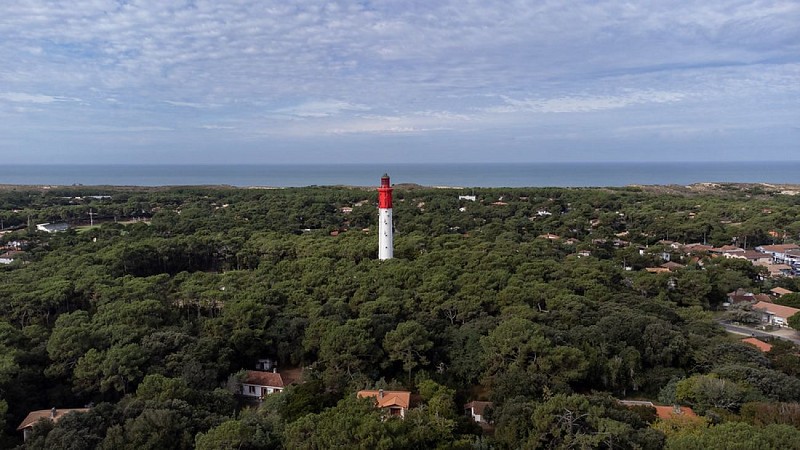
x=385 y=193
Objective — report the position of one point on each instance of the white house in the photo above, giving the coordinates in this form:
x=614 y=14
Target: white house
x=477 y=410
x=779 y=252
x=753 y=256
x=10 y=256
x=258 y=384
x=780 y=292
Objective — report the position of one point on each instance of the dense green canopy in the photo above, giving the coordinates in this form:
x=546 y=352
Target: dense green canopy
x=150 y=314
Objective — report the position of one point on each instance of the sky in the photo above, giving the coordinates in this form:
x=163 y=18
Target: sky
x=246 y=81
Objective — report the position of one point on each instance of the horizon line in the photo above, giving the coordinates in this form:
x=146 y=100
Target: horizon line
x=412 y=163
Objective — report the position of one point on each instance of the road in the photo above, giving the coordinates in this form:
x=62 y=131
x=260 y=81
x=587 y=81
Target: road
x=746 y=331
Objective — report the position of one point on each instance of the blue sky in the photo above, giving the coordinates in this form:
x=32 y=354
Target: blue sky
x=240 y=81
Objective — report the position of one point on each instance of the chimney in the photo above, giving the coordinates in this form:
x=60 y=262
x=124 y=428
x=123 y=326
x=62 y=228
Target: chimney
x=53 y=413
x=380 y=393
x=676 y=408
x=274 y=370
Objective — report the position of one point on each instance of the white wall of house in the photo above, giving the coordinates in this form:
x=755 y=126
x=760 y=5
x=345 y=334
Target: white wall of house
x=251 y=390
x=772 y=319
x=476 y=417
x=258 y=391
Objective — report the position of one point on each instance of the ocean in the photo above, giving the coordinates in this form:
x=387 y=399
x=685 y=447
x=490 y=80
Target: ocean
x=581 y=174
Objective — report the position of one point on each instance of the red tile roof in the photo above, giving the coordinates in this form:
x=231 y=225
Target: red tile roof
x=781 y=291
x=759 y=344
x=663 y=412
x=780 y=248
x=478 y=407
x=763 y=298
x=778 y=310
x=390 y=398
x=35 y=416
x=259 y=378
x=728 y=249
x=697 y=248
x=669 y=412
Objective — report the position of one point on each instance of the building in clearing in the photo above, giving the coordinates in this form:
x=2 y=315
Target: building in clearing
x=476 y=411
x=780 y=292
x=393 y=403
x=258 y=384
x=52 y=227
x=53 y=415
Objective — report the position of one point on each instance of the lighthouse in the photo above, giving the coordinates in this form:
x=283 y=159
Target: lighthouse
x=385 y=244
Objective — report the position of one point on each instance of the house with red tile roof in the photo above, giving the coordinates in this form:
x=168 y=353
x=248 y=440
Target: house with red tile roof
x=10 y=256
x=696 y=248
x=672 y=266
x=741 y=295
x=750 y=255
x=777 y=248
x=780 y=253
x=780 y=292
x=727 y=249
x=776 y=270
x=53 y=415
x=267 y=379
x=258 y=384
x=775 y=314
x=394 y=403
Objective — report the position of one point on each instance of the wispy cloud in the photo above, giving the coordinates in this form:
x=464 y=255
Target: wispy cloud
x=585 y=103
x=21 y=97
x=190 y=104
x=318 y=109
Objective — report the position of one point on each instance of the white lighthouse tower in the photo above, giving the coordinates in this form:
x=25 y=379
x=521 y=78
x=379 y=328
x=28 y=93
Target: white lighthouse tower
x=385 y=243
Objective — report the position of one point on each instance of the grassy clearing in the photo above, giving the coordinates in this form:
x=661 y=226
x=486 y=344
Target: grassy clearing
x=84 y=228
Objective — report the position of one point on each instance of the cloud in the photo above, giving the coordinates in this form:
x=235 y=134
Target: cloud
x=318 y=109
x=586 y=103
x=382 y=129
x=20 y=97
x=305 y=69
x=190 y=104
